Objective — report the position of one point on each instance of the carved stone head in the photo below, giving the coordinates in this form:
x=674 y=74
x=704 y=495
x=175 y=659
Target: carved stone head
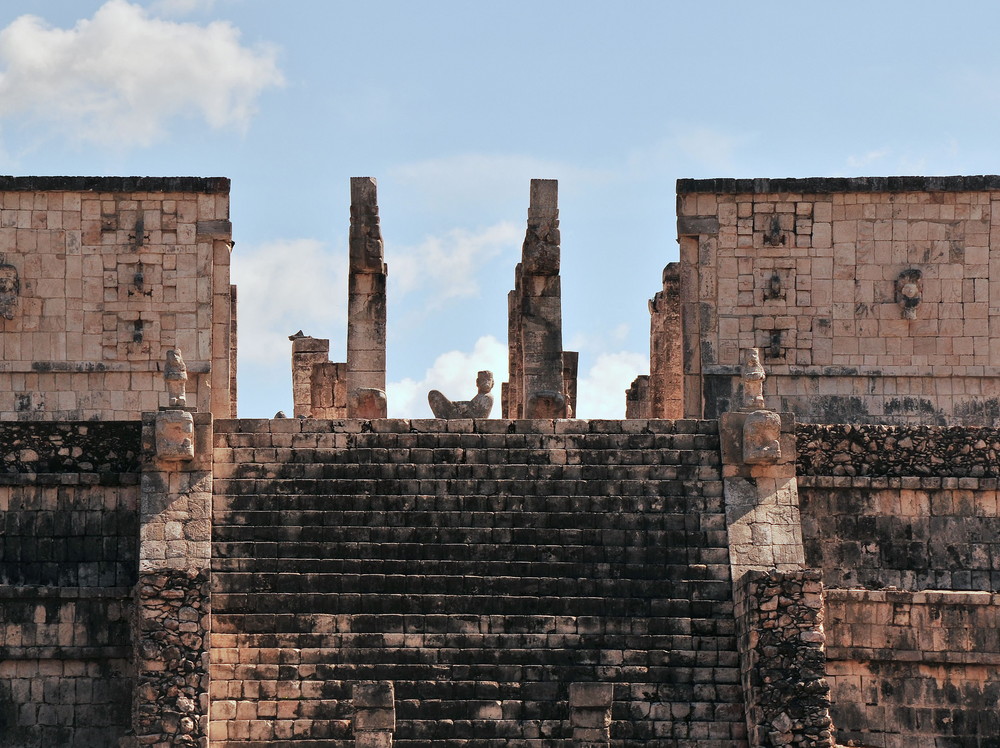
x=174 y=435
x=484 y=381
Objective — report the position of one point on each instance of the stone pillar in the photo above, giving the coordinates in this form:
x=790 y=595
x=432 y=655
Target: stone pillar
x=172 y=595
x=765 y=538
x=365 y=305
x=535 y=329
x=307 y=352
x=374 y=714
x=665 y=356
x=590 y=714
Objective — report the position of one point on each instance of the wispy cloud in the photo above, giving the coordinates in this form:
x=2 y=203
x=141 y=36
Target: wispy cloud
x=447 y=266
x=285 y=286
x=119 y=78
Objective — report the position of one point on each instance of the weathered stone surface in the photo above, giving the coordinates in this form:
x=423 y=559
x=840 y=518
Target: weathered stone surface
x=536 y=362
x=175 y=374
x=753 y=377
x=780 y=617
x=478 y=407
x=174 y=435
x=10 y=289
x=366 y=302
x=875 y=450
x=761 y=438
x=172 y=679
x=367 y=403
x=485 y=568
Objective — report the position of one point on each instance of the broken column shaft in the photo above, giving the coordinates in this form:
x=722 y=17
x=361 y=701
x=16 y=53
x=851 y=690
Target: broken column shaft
x=365 y=305
x=537 y=388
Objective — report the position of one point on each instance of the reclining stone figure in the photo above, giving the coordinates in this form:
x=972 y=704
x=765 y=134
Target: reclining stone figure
x=478 y=407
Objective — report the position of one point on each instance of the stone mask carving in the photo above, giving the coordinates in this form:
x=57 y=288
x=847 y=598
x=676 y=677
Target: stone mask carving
x=909 y=291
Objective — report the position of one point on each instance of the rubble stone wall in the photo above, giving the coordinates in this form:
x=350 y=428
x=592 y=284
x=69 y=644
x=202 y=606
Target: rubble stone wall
x=67 y=566
x=780 y=623
x=880 y=450
x=98 y=277
x=814 y=272
x=483 y=568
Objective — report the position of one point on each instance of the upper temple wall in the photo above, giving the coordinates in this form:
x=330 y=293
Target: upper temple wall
x=99 y=276
x=870 y=298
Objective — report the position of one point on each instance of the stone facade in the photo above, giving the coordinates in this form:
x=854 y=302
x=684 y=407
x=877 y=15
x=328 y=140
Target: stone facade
x=111 y=272
x=814 y=272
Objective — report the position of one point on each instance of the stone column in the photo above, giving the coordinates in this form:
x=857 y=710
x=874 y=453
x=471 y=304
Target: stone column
x=366 y=305
x=536 y=324
x=590 y=714
x=172 y=598
x=374 y=714
x=665 y=357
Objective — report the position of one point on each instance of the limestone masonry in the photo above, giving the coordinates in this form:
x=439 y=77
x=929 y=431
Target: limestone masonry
x=790 y=540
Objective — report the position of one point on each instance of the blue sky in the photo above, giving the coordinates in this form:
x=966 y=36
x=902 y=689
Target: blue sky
x=454 y=107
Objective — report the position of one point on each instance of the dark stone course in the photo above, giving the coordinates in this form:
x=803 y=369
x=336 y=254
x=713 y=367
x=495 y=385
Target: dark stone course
x=210 y=185
x=103 y=447
x=828 y=185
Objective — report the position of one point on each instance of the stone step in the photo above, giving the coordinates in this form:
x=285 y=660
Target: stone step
x=621 y=604
x=263 y=475
x=433 y=584
x=676 y=566
x=627 y=496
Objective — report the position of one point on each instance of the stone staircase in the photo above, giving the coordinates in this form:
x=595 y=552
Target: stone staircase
x=481 y=567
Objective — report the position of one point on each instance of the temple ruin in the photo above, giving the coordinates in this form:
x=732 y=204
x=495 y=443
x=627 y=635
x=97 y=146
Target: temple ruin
x=789 y=540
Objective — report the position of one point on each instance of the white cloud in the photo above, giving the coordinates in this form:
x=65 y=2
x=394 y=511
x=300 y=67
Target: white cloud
x=601 y=392
x=445 y=267
x=284 y=286
x=121 y=76
x=454 y=373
